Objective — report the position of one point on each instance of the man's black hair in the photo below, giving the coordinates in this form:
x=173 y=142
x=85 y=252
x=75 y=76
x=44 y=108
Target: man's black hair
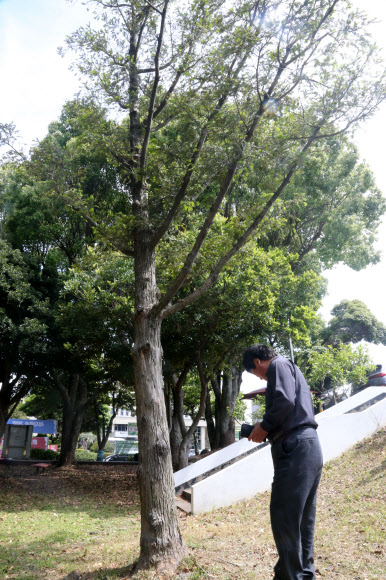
x=260 y=351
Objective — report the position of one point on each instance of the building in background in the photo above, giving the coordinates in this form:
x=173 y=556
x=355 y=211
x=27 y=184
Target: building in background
x=124 y=434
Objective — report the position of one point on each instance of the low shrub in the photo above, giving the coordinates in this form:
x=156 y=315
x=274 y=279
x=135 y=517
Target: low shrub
x=44 y=454
x=83 y=455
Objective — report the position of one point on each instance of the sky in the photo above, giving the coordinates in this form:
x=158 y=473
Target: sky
x=36 y=81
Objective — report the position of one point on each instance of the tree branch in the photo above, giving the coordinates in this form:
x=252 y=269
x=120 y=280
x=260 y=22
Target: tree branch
x=196 y=154
x=153 y=95
x=153 y=69
x=172 y=309
x=191 y=257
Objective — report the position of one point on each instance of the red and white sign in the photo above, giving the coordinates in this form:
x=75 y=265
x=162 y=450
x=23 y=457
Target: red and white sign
x=53 y=447
x=39 y=443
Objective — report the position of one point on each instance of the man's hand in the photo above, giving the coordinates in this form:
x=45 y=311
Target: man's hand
x=258 y=434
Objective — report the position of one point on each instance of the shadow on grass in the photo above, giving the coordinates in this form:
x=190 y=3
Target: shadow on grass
x=122 y=573
x=36 y=558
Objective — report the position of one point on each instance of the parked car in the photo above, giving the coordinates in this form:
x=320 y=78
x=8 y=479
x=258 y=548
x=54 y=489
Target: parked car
x=120 y=457
x=376 y=378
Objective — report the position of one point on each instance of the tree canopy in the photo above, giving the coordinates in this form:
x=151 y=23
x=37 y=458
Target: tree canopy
x=352 y=322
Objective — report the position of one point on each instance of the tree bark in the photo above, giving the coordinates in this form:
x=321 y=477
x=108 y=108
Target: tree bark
x=161 y=543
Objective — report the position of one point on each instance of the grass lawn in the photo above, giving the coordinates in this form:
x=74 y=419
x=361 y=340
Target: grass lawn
x=87 y=519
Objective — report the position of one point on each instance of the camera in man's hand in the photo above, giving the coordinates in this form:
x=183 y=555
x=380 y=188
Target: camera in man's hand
x=246 y=430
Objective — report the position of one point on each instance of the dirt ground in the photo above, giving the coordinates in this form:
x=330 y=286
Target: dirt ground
x=74 y=480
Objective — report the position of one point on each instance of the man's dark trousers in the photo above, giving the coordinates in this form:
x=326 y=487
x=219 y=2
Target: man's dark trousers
x=297 y=462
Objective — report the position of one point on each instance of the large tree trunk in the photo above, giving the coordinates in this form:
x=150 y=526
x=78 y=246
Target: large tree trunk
x=161 y=543
x=75 y=400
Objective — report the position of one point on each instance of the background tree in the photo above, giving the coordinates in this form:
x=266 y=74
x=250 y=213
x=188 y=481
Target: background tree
x=53 y=236
x=23 y=328
x=342 y=365
x=352 y=322
x=331 y=210
x=8 y=141
x=105 y=411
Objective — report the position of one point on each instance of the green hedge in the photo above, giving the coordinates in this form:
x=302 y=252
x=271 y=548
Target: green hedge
x=44 y=454
x=80 y=454
x=83 y=455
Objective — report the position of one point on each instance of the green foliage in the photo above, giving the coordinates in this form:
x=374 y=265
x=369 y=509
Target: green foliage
x=22 y=305
x=222 y=61
x=332 y=208
x=238 y=412
x=83 y=455
x=18 y=413
x=342 y=365
x=87 y=438
x=44 y=403
x=44 y=454
x=257 y=415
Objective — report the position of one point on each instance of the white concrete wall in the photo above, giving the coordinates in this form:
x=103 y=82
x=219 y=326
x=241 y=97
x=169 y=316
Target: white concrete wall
x=211 y=461
x=339 y=432
x=253 y=474
x=239 y=481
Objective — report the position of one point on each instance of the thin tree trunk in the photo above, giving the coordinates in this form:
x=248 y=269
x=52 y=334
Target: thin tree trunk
x=175 y=441
x=168 y=399
x=216 y=386
x=103 y=431
x=210 y=421
x=75 y=399
x=178 y=422
x=226 y=388
x=230 y=390
x=187 y=434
